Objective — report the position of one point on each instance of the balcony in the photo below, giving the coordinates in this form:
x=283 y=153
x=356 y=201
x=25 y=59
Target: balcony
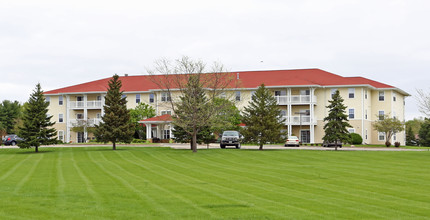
x=88 y=104
x=295 y=120
x=295 y=99
x=84 y=123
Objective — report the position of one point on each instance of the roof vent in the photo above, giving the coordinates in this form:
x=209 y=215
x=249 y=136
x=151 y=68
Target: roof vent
x=126 y=74
x=237 y=75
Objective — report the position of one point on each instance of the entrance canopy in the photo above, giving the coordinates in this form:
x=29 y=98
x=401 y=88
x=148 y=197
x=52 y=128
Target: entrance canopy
x=160 y=123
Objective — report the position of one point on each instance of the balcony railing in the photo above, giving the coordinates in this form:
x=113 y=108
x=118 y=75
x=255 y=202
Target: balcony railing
x=295 y=120
x=85 y=123
x=87 y=104
x=295 y=99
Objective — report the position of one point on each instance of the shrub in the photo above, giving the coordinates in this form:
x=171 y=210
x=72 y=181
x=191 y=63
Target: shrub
x=397 y=144
x=356 y=138
x=387 y=143
x=138 y=141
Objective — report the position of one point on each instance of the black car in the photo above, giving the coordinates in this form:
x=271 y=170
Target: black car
x=12 y=139
x=230 y=138
x=332 y=144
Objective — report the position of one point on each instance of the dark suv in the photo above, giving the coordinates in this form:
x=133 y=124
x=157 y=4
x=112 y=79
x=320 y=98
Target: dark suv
x=230 y=138
x=12 y=139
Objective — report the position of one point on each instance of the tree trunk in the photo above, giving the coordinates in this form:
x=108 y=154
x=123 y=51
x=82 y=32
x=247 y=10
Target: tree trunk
x=36 y=149
x=261 y=147
x=335 y=145
x=114 y=145
x=194 y=142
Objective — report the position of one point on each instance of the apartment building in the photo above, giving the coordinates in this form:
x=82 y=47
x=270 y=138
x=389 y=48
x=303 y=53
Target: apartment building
x=302 y=95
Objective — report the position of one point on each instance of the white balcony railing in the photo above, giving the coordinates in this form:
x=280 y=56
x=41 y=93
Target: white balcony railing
x=85 y=123
x=295 y=120
x=87 y=104
x=295 y=99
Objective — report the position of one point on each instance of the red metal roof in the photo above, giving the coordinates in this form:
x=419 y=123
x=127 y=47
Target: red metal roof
x=248 y=79
x=161 y=118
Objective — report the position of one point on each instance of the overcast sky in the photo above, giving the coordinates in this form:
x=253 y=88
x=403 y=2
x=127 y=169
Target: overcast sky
x=62 y=43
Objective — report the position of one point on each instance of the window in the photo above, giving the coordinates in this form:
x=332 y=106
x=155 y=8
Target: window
x=366 y=134
x=60 y=118
x=98 y=115
x=47 y=99
x=165 y=97
x=394 y=115
x=381 y=115
x=151 y=98
x=394 y=137
x=351 y=93
x=365 y=114
x=237 y=95
x=60 y=100
x=99 y=98
x=381 y=136
x=124 y=96
x=305 y=92
x=394 y=97
x=351 y=113
x=79 y=116
x=166 y=134
x=166 y=112
x=351 y=130
x=277 y=93
x=79 y=98
x=333 y=91
x=137 y=98
x=365 y=93
x=381 y=96
x=61 y=135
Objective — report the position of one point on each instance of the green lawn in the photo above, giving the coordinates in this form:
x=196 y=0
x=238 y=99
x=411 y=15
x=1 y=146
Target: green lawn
x=162 y=183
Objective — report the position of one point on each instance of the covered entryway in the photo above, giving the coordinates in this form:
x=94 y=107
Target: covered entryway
x=159 y=128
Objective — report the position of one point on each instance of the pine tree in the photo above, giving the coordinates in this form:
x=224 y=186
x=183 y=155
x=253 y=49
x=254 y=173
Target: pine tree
x=263 y=118
x=37 y=126
x=337 y=122
x=424 y=133
x=116 y=126
x=410 y=137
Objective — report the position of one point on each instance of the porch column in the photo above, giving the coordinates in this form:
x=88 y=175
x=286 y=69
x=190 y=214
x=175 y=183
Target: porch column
x=85 y=117
x=148 y=131
x=289 y=112
x=67 y=133
x=312 y=116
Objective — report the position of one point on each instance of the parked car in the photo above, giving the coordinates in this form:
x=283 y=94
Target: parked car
x=292 y=141
x=230 y=138
x=12 y=139
x=332 y=144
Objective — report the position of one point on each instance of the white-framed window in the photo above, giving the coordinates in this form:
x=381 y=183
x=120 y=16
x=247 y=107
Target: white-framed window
x=166 y=112
x=98 y=115
x=394 y=97
x=237 y=97
x=60 y=100
x=60 y=135
x=124 y=96
x=351 y=93
x=381 y=115
x=351 y=114
x=365 y=114
x=79 y=98
x=151 y=98
x=351 y=130
x=48 y=99
x=333 y=91
x=165 y=97
x=60 y=117
x=277 y=93
x=366 y=134
x=381 y=95
x=138 y=98
x=381 y=136
x=99 y=98
x=394 y=137
x=365 y=94
x=79 y=116
x=166 y=134
x=394 y=115
x=305 y=92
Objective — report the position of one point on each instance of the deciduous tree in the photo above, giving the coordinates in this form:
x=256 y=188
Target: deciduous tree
x=262 y=118
x=336 y=122
x=116 y=126
x=142 y=111
x=37 y=126
x=424 y=133
x=423 y=99
x=10 y=112
x=388 y=126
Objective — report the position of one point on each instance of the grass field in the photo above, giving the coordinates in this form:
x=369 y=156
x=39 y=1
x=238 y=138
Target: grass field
x=162 y=183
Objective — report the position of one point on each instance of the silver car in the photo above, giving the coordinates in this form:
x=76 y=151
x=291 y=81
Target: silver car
x=292 y=141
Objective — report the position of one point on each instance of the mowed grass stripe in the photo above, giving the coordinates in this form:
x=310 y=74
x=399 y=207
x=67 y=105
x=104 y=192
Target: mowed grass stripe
x=228 y=189
x=30 y=172
x=127 y=183
x=335 y=189
x=14 y=168
x=266 y=185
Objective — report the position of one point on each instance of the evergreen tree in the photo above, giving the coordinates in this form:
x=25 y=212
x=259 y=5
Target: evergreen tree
x=424 y=133
x=337 y=122
x=263 y=118
x=37 y=128
x=10 y=112
x=410 y=137
x=116 y=126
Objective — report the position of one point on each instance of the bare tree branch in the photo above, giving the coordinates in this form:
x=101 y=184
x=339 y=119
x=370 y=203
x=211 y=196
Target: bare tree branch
x=423 y=100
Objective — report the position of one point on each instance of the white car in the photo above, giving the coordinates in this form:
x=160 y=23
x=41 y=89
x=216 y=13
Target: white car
x=292 y=141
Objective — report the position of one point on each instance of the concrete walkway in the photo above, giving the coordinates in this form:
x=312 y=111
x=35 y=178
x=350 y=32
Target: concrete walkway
x=244 y=147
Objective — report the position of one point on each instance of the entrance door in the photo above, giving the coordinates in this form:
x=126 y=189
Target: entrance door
x=305 y=136
x=81 y=137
